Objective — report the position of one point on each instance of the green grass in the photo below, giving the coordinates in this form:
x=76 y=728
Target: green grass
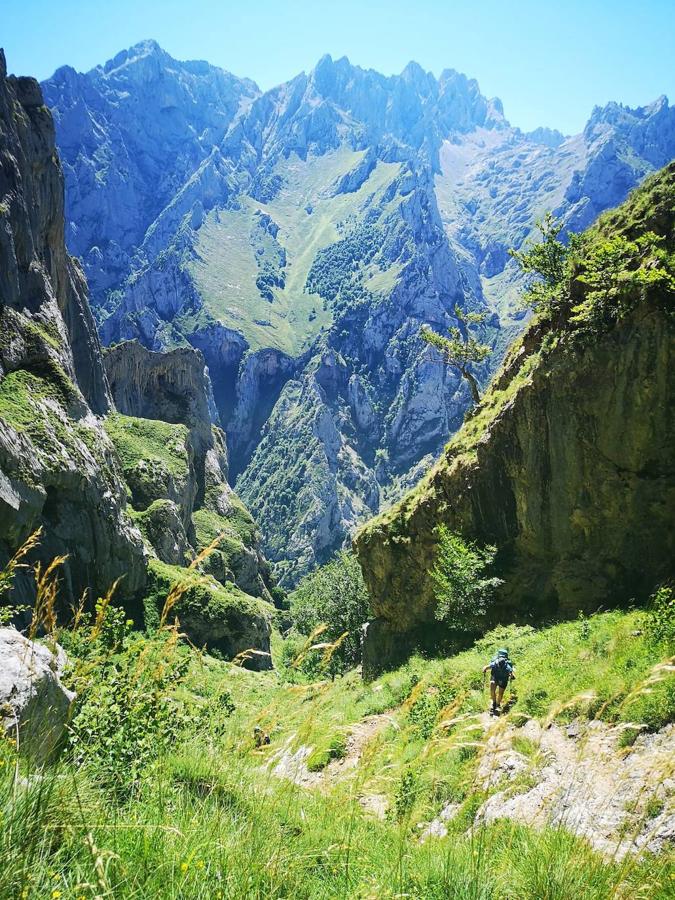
x=225 y=269
x=209 y=820
x=138 y=440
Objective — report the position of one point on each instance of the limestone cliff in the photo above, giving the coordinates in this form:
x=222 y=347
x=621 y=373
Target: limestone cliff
x=58 y=469
x=567 y=466
x=174 y=459
x=96 y=481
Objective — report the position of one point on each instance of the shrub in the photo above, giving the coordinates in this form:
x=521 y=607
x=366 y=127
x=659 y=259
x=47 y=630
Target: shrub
x=333 y=602
x=127 y=715
x=462 y=590
x=659 y=620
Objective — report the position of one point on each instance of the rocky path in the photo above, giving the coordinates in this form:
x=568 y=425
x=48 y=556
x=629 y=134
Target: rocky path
x=578 y=777
x=292 y=765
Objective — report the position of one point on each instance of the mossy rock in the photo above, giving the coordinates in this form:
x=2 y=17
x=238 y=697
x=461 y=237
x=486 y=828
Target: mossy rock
x=162 y=527
x=219 y=617
x=156 y=459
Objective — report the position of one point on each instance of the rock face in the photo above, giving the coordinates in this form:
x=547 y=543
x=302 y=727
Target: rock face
x=57 y=467
x=175 y=464
x=34 y=705
x=334 y=214
x=567 y=468
x=115 y=149
x=69 y=460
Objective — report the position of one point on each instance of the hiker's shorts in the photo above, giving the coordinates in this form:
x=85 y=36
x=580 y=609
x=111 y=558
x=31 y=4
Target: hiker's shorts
x=501 y=684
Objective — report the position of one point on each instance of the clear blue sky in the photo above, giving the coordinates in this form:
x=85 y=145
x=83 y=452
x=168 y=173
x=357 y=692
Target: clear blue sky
x=549 y=62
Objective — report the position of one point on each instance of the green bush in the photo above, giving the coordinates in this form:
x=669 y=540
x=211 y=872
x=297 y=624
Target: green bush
x=334 y=599
x=126 y=715
x=462 y=590
x=659 y=620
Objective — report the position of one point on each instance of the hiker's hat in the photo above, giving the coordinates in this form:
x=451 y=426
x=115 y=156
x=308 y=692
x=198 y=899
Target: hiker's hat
x=503 y=652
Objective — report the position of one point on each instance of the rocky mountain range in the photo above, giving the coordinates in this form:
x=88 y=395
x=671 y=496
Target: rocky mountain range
x=114 y=464
x=299 y=237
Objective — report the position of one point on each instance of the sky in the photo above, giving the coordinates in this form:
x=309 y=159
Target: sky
x=550 y=63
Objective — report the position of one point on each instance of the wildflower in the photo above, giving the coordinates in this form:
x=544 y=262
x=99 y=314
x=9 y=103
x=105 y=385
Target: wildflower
x=56 y=894
x=184 y=867
x=200 y=863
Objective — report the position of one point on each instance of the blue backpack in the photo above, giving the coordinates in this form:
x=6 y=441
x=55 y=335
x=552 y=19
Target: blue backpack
x=501 y=668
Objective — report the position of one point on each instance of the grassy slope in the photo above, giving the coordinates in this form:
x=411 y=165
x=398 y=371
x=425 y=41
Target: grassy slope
x=210 y=821
x=142 y=440
x=226 y=269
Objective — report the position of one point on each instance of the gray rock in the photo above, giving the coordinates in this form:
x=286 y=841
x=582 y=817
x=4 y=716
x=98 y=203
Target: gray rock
x=34 y=704
x=58 y=467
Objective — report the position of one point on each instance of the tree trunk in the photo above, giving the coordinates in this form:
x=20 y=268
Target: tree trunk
x=473 y=385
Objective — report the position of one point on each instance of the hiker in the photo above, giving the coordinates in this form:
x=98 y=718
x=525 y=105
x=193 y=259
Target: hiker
x=501 y=672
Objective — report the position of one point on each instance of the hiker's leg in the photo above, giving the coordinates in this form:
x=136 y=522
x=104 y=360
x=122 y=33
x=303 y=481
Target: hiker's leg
x=493 y=688
x=500 y=694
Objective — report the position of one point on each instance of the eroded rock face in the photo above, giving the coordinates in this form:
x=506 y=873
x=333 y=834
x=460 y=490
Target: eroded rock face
x=57 y=467
x=34 y=704
x=172 y=386
x=573 y=481
x=176 y=466
x=571 y=478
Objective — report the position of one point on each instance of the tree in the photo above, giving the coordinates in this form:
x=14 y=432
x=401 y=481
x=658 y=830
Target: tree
x=461 y=349
x=548 y=260
x=335 y=596
x=617 y=272
x=462 y=590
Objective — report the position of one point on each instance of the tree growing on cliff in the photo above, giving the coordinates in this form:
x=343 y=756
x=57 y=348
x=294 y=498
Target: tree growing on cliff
x=462 y=586
x=461 y=350
x=547 y=261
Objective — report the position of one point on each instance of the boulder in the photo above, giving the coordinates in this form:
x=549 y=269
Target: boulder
x=34 y=704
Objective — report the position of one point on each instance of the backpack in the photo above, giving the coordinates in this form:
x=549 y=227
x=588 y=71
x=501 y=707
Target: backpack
x=501 y=666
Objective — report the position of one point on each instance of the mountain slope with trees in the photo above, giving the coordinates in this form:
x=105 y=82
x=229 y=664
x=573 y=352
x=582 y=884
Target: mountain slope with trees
x=326 y=219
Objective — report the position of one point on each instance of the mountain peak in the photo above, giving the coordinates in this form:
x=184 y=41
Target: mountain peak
x=141 y=50
x=414 y=72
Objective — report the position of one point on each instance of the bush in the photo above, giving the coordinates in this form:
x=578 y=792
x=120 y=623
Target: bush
x=332 y=604
x=127 y=715
x=462 y=591
x=659 y=621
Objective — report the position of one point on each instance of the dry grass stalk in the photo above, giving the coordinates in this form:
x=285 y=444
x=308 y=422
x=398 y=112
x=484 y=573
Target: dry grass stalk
x=46 y=591
x=7 y=574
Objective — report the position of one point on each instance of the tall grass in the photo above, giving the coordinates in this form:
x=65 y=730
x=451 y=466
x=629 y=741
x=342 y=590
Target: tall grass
x=163 y=790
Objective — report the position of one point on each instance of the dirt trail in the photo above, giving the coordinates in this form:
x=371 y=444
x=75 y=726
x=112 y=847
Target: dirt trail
x=293 y=765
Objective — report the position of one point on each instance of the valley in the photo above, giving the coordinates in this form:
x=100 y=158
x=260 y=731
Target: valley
x=408 y=190
x=259 y=545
